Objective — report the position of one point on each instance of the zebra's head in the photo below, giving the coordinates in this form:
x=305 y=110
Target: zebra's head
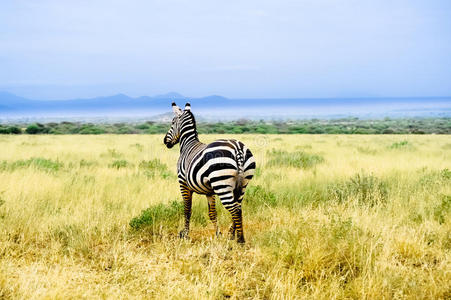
x=182 y=119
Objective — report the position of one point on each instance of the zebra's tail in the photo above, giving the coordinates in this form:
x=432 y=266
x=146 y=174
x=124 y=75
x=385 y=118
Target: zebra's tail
x=240 y=174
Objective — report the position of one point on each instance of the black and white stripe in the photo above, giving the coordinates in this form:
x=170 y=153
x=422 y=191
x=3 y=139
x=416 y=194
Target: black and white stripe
x=222 y=168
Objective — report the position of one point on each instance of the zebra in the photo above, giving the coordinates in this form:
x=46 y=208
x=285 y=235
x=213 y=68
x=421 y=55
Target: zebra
x=223 y=168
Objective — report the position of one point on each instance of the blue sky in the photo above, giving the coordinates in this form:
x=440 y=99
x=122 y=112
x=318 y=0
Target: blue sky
x=315 y=48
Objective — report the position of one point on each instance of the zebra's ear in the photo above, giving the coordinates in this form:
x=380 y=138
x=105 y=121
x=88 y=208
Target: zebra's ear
x=176 y=109
x=187 y=106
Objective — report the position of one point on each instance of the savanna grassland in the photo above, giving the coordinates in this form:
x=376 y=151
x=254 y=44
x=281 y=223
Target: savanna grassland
x=327 y=216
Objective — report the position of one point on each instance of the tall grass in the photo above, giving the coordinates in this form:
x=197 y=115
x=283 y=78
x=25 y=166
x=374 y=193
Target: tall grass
x=326 y=217
x=297 y=159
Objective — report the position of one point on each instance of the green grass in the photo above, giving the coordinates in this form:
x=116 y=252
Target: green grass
x=39 y=163
x=158 y=215
x=297 y=159
x=118 y=164
x=363 y=188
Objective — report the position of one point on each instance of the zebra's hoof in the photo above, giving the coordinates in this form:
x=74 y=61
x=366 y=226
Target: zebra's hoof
x=240 y=240
x=184 y=234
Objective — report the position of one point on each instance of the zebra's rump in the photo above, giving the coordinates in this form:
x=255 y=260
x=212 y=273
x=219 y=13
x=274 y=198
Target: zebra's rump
x=219 y=165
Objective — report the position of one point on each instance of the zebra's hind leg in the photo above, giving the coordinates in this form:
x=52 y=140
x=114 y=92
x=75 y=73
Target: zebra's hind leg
x=237 y=217
x=226 y=193
x=212 y=212
x=232 y=230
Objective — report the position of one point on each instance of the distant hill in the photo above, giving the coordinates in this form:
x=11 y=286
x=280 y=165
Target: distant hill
x=116 y=104
x=216 y=108
x=11 y=100
x=170 y=95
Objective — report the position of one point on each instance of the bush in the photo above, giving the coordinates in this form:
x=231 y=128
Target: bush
x=434 y=178
x=118 y=164
x=297 y=159
x=367 y=150
x=400 y=145
x=38 y=163
x=442 y=211
x=91 y=129
x=168 y=216
x=258 y=196
x=388 y=131
x=366 y=189
x=10 y=130
x=142 y=126
x=35 y=129
x=127 y=130
x=158 y=215
x=15 y=130
x=154 y=166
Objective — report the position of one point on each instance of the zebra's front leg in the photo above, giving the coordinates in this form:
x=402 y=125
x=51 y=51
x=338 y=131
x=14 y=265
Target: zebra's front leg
x=187 y=200
x=212 y=212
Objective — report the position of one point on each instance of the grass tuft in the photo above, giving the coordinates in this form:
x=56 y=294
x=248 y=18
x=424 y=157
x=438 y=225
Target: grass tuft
x=297 y=159
x=365 y=189
x=259 y=196
x=38 y=163
x=402 y=145
x=119 y=164
x=167 y=216
x=151 y=168
x=158 y=215
x=442 y=211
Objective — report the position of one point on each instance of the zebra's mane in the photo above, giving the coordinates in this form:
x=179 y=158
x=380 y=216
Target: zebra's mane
x=191 y=115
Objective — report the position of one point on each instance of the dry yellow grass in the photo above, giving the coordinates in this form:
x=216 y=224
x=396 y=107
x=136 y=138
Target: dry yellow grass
x=371 y=221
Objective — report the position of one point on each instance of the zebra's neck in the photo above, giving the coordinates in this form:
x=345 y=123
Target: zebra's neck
x=188 y=138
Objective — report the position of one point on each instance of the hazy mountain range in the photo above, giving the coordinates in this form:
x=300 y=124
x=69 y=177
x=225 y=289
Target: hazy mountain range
x=216 y=107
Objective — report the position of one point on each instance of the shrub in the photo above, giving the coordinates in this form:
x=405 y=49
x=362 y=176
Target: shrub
x=445 y=174
x=297 y=159
x=388 y=131
x=156 y=217
x=142 y=126
x=91 y=129
x=400 y=145
x=366 y=189
x=38 y=163
x=167 y=214
x=35 y=129
x=258 y=196
x=367 y=150
x=154 y=166
x=10 y=130
x=127 y=130
x=435 y=177
x=442 y=210
x=118 y=164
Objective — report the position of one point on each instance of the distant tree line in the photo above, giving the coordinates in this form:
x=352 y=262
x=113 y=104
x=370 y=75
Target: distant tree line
x=312 y=126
